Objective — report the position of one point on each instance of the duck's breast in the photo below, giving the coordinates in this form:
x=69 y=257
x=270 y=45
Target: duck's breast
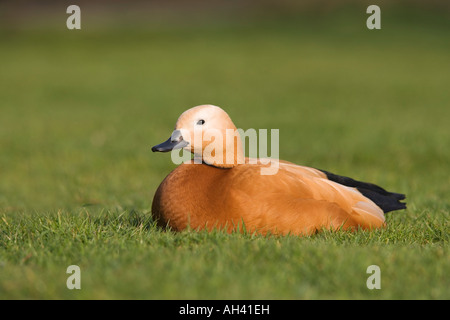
x=194 y=195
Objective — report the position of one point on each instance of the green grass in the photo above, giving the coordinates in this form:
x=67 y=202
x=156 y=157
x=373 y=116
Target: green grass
x=124 y=256
x=80 y=111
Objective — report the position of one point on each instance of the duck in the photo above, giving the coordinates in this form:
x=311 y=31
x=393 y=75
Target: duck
x=224 y=190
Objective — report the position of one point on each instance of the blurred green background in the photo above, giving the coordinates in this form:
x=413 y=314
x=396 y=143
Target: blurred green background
x=80 y=109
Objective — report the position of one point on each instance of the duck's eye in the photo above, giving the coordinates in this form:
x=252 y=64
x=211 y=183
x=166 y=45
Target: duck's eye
x=200 y=122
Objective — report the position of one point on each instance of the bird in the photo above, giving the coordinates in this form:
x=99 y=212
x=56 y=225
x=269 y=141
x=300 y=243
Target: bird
x=223 y=190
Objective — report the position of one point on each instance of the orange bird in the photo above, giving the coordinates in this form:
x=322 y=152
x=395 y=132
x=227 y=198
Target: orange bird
x=221 y=189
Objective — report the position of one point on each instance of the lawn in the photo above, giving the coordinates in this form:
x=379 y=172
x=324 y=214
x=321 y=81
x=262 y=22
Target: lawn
x=80 y=110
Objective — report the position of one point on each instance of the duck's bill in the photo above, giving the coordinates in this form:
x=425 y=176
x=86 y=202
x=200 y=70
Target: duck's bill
x=170 y=145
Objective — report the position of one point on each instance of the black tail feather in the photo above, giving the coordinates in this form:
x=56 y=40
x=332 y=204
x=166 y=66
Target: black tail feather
x=387 y=201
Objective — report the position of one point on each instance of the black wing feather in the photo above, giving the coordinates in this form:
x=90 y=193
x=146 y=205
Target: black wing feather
x=387 y=201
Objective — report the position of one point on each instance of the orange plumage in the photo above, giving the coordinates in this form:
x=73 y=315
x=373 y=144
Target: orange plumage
x=296 y=200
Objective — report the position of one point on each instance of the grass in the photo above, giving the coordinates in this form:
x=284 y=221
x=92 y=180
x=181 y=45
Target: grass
x=125 y=256
x=80 y=110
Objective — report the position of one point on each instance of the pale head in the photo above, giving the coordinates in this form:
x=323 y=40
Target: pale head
x=208 y=132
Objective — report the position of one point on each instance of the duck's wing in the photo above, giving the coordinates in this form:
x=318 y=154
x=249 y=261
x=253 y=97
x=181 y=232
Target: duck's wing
x=299 y=200
x=300 y=182
x=387 y=201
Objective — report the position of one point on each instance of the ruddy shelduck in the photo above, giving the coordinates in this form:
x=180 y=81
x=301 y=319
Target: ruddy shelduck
x=224 y=190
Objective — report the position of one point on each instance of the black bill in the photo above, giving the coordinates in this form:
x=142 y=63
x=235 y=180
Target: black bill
x=174 y=142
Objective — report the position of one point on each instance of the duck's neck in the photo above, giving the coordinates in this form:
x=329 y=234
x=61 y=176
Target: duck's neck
x=231 y=155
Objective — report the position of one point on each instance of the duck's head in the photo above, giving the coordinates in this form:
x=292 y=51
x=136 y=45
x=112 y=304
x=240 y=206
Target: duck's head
x=208 y=132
